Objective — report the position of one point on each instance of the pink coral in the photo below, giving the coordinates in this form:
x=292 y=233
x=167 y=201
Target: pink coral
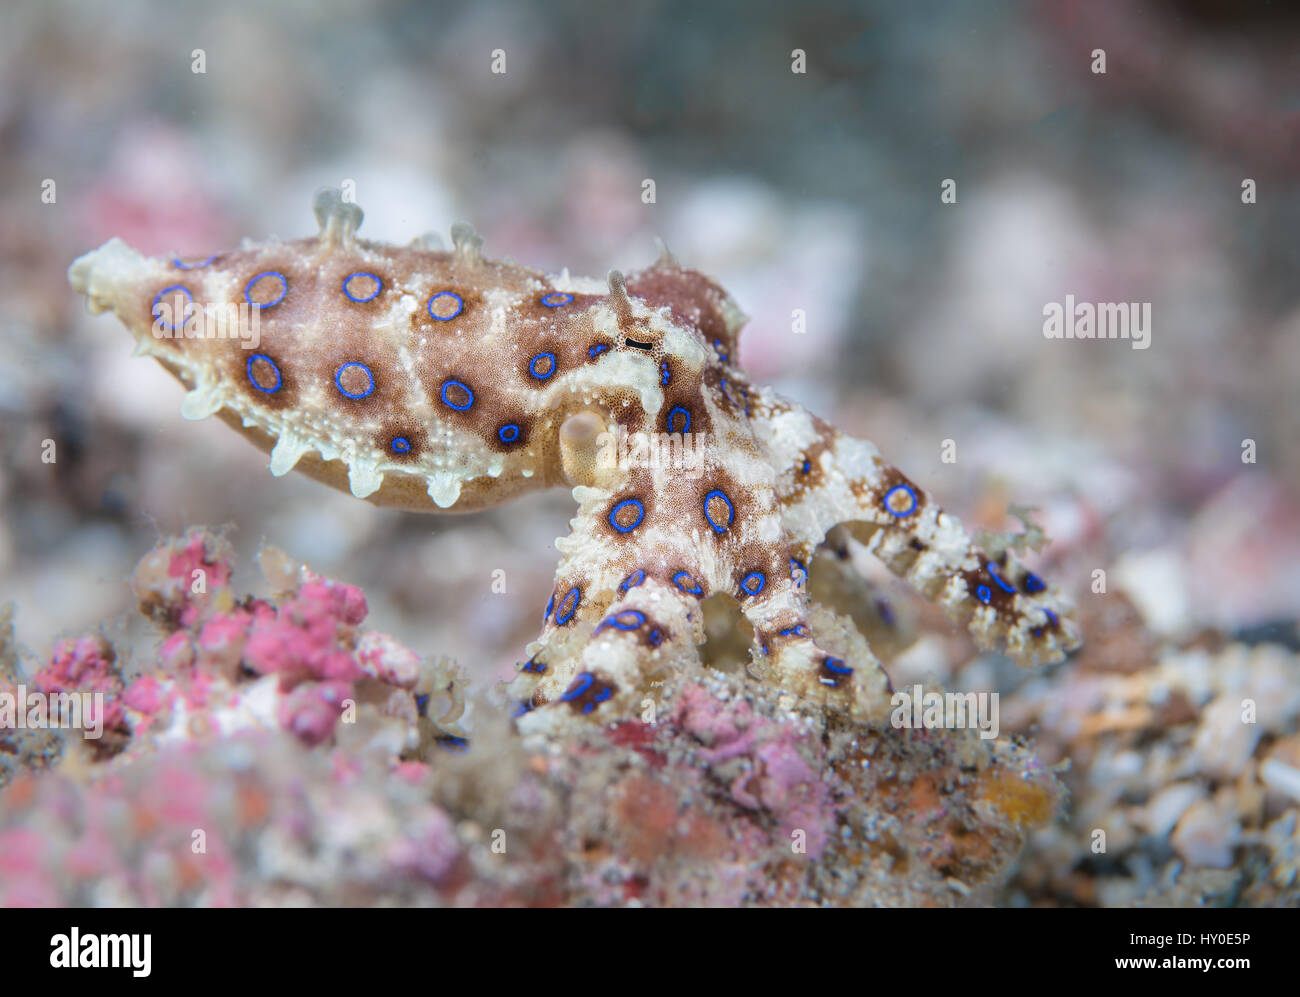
x=85 y=664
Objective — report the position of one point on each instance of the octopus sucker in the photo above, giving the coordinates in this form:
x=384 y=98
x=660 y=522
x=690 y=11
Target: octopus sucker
x=446 y=381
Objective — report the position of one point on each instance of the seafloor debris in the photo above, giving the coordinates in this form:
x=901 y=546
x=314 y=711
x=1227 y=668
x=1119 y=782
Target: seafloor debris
x=1185 y=759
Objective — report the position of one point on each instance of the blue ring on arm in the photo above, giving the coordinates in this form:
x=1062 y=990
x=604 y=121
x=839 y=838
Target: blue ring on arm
x=890 y=509
x=248 y=288
x=561 y=615
x=731 y=510
x=449 y=403
x=754 y=582
x=630 y=583
x=695 y=586
x=684 y=429
x=153 y=309
x=993 y=571
x=274 y=366
x=1034 y=584
x=581 y=683
x=627 y=620
x=561 y=298
x=379 y=286
x=400 y=444
x=508 y=433
x=338 y=381
x=984 y=593
x=798 y=572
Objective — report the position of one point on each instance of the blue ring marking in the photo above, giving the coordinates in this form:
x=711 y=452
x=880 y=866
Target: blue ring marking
x=890 y=509
x=665 y=374
x=798 y=572
x=532 y=366
x=758 y=579
x=456 y=745
x=449 y=403
x=998 y=578
x=248 y=288
x=677 y=580
x=534 y=666
x=837 y=666
x=550 y=604
x=422 y=703
x=983 y=593
x=731 y=511
x=176 y=262
x=628 y=583
x=672 y=414
x=508 y=433
x=379 y=286
x=1034 y=584
x=602 y=694
x=153 y=309
x=400 y=444
x=620 y=621
x=807 y=466
x=561 y=616
x=597 y=350
x=460 y=305
x=338 y=380
x=520 y=708
x=580 y=685
x=654 y=638
x=640 y=515
x=720 y=347
x=798 y=630
x=1039 y=631
x=562 y=298
x=278 y=379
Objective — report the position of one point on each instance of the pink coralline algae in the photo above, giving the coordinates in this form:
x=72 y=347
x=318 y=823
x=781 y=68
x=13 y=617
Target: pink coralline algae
x=87 y=665
x=778 y=764
x=310 y=640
